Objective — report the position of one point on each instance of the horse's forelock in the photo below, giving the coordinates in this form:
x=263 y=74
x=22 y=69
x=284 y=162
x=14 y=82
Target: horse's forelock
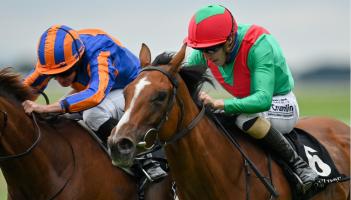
x=11 y=85
x=163 y=59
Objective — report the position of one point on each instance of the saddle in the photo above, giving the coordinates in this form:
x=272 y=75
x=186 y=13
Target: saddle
x=306 y=146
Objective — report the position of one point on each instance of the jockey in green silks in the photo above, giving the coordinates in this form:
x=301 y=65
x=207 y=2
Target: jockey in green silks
x=248 y=63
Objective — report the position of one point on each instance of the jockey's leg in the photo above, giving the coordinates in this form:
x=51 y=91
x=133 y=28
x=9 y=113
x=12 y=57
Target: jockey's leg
x=261 y=129
x=105 y=129
x=105 y=116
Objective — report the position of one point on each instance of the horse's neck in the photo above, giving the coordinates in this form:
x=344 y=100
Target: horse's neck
x=42 y=169
x=203 y=156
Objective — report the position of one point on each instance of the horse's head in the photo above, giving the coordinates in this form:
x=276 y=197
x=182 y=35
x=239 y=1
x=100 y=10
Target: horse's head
x=149 y=100
x=15 y=125
x=12 y=94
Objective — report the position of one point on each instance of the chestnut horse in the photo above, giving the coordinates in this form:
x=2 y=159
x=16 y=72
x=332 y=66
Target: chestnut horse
x=203 y=162
x=60 y=160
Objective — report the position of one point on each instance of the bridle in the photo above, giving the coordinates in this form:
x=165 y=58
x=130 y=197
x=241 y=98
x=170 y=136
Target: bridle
x=36 y=127
x=179 y=133
x=5 y=122
x=193 y=123
x=29 y=149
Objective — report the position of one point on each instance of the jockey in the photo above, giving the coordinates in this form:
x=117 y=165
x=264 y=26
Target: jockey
x=248 y=62
x=96 y=66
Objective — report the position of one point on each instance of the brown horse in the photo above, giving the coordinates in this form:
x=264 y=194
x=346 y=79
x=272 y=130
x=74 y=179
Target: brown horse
x=204 y=164
x=60 y=160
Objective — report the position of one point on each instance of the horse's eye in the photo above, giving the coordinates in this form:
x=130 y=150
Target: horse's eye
x=160 y=96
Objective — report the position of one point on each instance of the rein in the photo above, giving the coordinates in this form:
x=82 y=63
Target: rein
x=193 y=123
x=36 y=127
x=178 y=134
x=27 y=151
x=35 y=143
x=5 y=122
x=268 y=185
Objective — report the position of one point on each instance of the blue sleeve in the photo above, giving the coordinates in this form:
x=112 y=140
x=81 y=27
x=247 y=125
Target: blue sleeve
x=102 y=77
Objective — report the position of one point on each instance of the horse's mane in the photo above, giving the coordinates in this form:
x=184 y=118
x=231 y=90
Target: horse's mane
x=194 y=76
x=11 y=85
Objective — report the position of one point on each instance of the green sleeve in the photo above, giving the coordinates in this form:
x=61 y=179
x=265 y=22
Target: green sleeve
x=261 y=65
x=196 y=58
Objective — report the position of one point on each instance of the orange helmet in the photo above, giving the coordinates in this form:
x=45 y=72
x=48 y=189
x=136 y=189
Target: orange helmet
x=210 y=26
x=59 y=49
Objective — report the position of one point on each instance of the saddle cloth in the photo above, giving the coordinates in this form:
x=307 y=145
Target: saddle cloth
x=317 y=157
x=308 y=147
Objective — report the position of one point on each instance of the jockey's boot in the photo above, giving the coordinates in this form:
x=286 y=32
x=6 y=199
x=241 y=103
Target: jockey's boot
x=105 y=130
x=280 y=146
x=153 y=170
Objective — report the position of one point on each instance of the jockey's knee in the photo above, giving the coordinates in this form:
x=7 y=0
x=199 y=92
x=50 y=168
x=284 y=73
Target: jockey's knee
x=254 y=125
x=94 y=118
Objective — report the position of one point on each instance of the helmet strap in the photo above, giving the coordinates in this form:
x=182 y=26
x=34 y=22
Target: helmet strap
x=229 y=44
x=74 y=41
x=231 y=48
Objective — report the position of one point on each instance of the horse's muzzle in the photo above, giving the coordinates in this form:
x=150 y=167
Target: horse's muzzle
x=122 y=151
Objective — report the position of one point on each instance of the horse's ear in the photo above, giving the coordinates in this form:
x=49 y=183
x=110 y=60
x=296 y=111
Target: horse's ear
x=144 y=55
x=178 y=59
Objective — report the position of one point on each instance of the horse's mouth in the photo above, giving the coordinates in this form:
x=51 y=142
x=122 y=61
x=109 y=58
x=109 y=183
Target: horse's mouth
x=123 y=160
x=122 y=152
x=122 y=163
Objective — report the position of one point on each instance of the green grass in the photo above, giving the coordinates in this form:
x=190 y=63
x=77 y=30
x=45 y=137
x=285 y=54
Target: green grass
x=3 y=192
x=331 y=101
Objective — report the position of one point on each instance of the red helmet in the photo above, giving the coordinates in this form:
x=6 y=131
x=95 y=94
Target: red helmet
x=210 y=26
x=59 y=49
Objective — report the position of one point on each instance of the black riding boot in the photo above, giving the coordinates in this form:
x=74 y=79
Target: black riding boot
x=280 y=146
x=105 y=130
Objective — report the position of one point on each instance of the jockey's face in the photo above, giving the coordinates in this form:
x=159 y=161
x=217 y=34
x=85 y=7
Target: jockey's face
x=217 y=55
x=66 y=81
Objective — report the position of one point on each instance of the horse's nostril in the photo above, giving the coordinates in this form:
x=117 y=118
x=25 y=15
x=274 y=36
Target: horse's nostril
x=125 y=146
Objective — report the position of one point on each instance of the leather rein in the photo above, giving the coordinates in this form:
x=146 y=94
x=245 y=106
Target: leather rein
x=193 y=123
x=179 y=133
x=30 y=149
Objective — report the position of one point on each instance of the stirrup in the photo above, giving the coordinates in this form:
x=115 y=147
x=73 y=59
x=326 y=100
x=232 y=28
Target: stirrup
x=302 y=187
x=154 y=173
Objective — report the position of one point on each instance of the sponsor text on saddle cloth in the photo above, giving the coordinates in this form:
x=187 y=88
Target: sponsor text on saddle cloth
x=317 y=157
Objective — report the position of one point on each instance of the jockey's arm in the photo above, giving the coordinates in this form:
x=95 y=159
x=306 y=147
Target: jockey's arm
x=101 y=81
x=262 y=83
x=37 y=82
x=73 y=91
x=31 y=106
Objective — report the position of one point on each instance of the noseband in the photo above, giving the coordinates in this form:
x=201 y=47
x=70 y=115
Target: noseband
x=184 y=131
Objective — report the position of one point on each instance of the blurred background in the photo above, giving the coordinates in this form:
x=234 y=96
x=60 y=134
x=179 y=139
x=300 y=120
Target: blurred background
x=314 y=35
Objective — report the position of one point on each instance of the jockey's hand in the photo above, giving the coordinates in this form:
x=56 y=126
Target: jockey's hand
x=30 y=106
x=208 y=100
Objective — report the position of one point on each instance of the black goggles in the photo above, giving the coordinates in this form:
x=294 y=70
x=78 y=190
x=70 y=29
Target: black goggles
x=211 y=50
x=66 y=73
